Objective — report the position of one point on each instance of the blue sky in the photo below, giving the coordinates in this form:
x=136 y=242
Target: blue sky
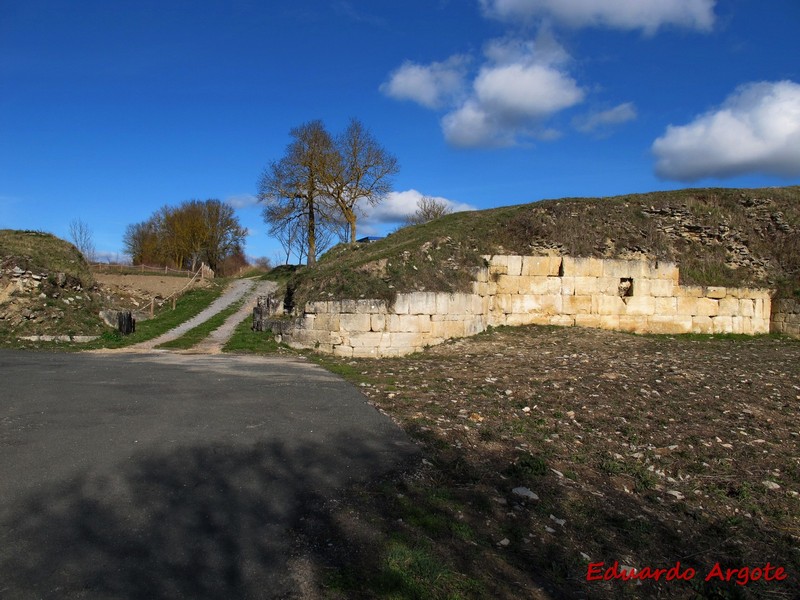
x=110 y=109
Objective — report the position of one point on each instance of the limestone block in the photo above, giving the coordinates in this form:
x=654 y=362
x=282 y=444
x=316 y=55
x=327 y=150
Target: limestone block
x=309 y=320
x=409 y=323
x=514 y=263
x=540 y=266
x=402 y=303
x=729 y=306
x=760 y=326
x=702 y=325
x=660 y=288
x=669 y=325
x=562 y=320
x=354 y=322
x=371 y=307
x=742 y=325
x=587 y=286
x=479 y=305
x=567 y=286
x=329 y=321
x=576 y=305
x=517 y=319
x=634 y=324
x=588 y=321
x=527 y=303
x=316 y=307
x=758 y=309
x=538 y=285
x=349 y=306
x=690 y=291
x=474 y=326
x=501 y=303
x=422 y=303
x=582 y=267
x=506 y=284
x=640 y=305
x=608 y=321
x=722 y=324
x=625 y=268
x=371 y=339
x=666 y=306
x=345 y=351
x=378 y=322
x=716 y=292
x=664 y=271
x=707 y=307
x=608 y=305
x=498 y=265
x=412 y=340
x=767 y=308
x=481 y=274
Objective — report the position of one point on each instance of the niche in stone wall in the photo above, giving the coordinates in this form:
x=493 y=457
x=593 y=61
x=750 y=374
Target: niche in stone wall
x=625 y=287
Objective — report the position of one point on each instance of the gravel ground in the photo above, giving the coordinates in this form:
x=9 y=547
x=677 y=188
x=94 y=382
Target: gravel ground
x=563 y=447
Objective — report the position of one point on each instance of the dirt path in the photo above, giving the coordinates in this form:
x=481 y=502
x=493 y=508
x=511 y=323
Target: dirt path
x=246 y=288
x=213 y=343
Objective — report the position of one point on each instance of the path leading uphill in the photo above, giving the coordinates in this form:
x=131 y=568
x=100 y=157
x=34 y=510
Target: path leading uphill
x=248 y=289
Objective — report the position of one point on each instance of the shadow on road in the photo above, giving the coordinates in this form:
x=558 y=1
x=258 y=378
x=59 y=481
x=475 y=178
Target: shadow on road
x=199 y=522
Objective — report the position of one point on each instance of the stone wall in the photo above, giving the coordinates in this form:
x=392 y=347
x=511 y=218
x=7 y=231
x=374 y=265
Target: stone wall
x=636 y=296
x=786 y=317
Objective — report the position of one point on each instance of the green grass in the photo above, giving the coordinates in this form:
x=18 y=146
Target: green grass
x=246 y=341
x=187 y=306
x=39 y=252
x=440 y=255
x=197 y=334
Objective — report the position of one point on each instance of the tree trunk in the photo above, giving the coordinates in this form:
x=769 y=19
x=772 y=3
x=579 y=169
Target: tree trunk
x=312 y=236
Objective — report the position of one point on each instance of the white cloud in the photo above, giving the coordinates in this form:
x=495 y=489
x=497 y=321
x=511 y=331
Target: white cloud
x=430 y=85
x=756 y=130
x=241 y=200
x=395 y=208
x=520 y=85
x=603 y=120
x=647 y=15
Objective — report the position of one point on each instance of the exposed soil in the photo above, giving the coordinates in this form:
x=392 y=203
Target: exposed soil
x=641 y=450
x=152 y=285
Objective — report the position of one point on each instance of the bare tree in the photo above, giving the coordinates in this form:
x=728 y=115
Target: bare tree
x=82 y=237
x=428 y=209
x=293 y=189
x=362 y=173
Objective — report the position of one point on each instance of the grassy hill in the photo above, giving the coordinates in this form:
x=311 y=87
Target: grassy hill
x=43 y=253
x=727 y=237
x=61 y=300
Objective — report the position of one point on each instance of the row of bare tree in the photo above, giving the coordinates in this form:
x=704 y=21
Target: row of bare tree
x=184 y=236
x=318 y=189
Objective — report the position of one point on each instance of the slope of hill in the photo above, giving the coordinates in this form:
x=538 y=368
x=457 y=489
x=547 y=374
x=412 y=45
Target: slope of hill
x=46 y=287
x=730 y=237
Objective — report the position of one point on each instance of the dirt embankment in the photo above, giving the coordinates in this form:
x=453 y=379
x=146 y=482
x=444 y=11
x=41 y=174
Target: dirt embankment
x=152 y=285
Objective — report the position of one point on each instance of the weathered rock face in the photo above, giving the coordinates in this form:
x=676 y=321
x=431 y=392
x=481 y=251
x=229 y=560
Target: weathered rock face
x=786 y=317
x=629 y=295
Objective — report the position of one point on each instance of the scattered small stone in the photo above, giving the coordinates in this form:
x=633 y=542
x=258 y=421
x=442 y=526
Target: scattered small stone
x=676 y=494
x=770 y=485
x=558 y=521
x=525 y=493
x=504 y=542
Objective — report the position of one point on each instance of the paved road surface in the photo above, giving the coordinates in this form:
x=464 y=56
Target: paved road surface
x=171 y=476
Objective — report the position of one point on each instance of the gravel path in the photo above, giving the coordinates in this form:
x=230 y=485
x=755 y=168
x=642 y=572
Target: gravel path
x=237 y=290
x=213 y=343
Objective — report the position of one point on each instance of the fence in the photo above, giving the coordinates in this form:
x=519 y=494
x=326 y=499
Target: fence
x=205 y=271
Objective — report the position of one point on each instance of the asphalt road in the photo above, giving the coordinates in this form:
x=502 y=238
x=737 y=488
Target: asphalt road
x=172 y=476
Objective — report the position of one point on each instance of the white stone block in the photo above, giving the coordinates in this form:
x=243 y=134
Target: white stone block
x=666 y=306
x=514 y=263
x=640 y=305
x=582 y=267
x=722 y=325
x=608 y=305
x=354 y=322
x=716 y=292
x=540 y=266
